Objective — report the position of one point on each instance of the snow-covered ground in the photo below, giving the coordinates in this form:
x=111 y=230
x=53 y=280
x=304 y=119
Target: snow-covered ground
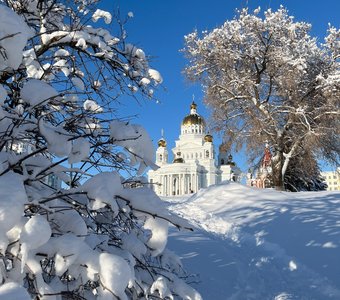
x=260 y=244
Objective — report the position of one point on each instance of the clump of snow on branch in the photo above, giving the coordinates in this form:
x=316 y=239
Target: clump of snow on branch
x=13 y=198
x=29 y=238
x=101 y=190
x=92 y=106
x=57 y=139
x=102 y=14
x=155 y=75
x=37 y=92
x=13 y=38
x=136 y=140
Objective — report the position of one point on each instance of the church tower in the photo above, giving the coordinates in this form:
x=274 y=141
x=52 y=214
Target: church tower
x=161 y=152
x=227 y=166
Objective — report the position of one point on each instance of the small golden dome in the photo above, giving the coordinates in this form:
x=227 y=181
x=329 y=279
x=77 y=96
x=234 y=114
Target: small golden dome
x=162 y=143
x=208 y=138
x=193 y=105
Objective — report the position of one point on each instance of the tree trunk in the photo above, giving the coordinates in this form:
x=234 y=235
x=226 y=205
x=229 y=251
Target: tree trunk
x=278 y=178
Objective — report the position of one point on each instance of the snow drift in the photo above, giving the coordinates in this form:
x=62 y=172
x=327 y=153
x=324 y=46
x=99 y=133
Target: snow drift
x=261 y=244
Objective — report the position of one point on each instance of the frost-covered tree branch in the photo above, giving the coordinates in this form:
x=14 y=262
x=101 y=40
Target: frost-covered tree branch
x=267 y=79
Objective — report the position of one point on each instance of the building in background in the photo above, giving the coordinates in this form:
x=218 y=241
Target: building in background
x=195 y=165
x=24 y=147
x=332 y=178
x=262 y=177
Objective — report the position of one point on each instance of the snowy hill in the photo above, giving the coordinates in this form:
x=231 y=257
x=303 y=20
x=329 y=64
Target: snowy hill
x=260 y=244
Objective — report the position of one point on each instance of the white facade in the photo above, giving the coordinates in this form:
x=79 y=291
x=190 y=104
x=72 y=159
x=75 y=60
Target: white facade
x=332 y=178
x=25 y=148
x=195 y=164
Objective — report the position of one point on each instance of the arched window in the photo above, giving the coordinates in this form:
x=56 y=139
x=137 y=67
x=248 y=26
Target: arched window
x=207 y=154
x=160 y=157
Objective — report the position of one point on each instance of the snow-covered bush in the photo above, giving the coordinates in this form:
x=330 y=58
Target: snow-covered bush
x=95 y=237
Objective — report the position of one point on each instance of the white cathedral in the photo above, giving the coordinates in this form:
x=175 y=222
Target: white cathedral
x=194 y=165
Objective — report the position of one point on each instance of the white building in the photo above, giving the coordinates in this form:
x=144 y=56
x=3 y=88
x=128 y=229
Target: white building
x=195 y=165
x=24 y=147
x=332 y=178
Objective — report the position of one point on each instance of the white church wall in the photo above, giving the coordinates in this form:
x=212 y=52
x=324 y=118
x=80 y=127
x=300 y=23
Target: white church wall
x=195 y=165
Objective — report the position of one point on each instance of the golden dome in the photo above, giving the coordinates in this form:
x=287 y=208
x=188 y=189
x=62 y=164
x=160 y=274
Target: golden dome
x=208 y=138
x=193 y=120
x=162 y=143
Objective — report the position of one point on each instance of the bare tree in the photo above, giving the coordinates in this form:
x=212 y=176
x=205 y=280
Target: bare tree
x=61 y=80
x=267 y=80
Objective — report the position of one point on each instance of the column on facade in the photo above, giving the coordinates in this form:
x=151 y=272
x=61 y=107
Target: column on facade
x=179 y=184
x=170 y=184
x=184 y=184
x=193 y=184
x=189 y=183
x=175 y=186
x=167 y=184
x=164 y=185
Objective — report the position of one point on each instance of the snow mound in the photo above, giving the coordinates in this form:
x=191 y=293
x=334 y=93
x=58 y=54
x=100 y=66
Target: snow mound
x=261 y=244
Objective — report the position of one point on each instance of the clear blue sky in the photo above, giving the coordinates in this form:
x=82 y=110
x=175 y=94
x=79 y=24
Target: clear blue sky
x=158 y=27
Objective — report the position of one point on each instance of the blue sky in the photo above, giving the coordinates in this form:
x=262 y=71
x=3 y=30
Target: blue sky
x=158 y=27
